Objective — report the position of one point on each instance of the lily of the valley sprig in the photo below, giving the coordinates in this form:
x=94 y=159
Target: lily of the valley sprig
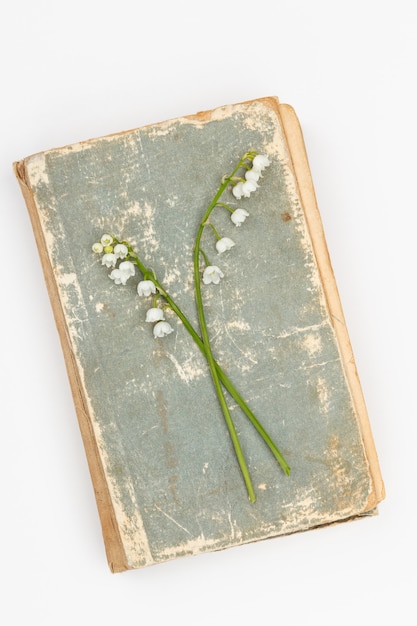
x=122 y=260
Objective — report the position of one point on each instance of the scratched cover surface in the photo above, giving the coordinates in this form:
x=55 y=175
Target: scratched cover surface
x=174 y=481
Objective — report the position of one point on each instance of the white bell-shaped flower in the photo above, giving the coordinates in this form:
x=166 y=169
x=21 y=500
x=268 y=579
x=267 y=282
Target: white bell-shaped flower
x=127 y=268
x=120 y=250
x=117 y=276
x=253 y=175
x=223 y=244
x=237 y=190
x=146 y=288
x=248 y=187
x=123 y=273
x=109 y=260
x=97 y=247
x=161 y=329
x=212 y=274
x=260 y=162
x=106 y=240
x=238 y=216
x=154 y=315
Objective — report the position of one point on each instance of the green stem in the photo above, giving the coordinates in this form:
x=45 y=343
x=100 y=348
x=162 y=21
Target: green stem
x=205 y=347
x=205 y=257
x=226 y=206
x=212 y=364
x=226 y=382
x=206 y=341
x=214 y=229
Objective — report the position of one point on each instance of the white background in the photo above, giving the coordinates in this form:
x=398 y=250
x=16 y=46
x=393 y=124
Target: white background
x=76 y=70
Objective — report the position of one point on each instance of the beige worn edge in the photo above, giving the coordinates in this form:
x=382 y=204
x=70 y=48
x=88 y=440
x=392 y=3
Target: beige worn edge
x=114 y=548
x=301 y=169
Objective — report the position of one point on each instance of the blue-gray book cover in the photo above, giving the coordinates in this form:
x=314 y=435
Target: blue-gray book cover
x=163 y=462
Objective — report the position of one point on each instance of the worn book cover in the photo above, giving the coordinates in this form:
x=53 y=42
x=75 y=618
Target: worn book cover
x=166 y=479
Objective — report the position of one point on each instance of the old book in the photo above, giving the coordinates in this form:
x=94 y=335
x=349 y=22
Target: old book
x=165 y=475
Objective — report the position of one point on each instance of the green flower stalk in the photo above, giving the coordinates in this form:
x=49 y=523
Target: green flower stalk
x=122 y=259
x=213 y=274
